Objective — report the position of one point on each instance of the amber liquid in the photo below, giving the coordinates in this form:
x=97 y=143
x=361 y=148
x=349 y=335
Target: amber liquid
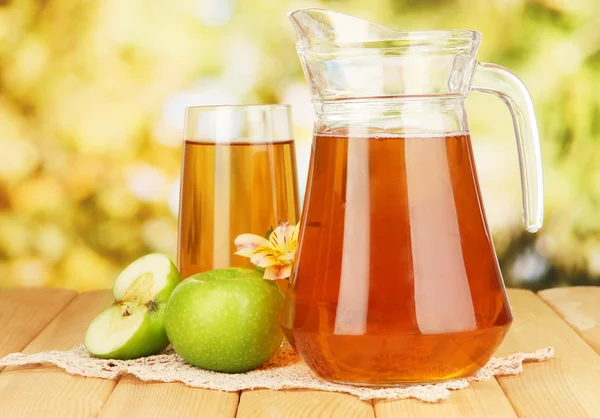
x=396 y=278
x=229 y=189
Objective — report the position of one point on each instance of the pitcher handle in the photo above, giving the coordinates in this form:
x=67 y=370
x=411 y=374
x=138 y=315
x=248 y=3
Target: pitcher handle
x=497 y=80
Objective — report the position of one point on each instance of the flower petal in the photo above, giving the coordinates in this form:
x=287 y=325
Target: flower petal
x=296 y=232
x=270 y=273
x=285 y=272
x=246 y=252
x=278 y=272
x=278 y=236
x=289 y=234
x=250 y=241
x=288 y=256
x=264 y=257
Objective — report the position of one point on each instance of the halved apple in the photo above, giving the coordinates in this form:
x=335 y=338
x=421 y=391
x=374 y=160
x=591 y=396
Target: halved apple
x=134 y=325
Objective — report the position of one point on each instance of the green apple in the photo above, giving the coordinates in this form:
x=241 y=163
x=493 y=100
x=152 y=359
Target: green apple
x=134 y=325
x=225 y=320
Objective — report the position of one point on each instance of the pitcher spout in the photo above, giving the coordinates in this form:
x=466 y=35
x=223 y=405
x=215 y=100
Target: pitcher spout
x=326 y=27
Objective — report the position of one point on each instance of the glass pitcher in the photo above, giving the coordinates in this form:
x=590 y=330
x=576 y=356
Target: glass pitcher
x=396 y=277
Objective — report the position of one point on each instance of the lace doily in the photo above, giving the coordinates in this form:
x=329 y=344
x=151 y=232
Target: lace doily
x=284 y=371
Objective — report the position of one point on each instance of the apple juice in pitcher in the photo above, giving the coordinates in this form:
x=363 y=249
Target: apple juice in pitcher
x=396 y=279
x=399 y=258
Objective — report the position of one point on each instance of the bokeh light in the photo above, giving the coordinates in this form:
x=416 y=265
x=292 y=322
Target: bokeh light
x=92 y=99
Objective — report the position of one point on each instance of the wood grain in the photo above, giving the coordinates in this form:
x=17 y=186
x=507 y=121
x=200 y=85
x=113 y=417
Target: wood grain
x=580 y=308
x=481 y=399
x=25 y=312
x=265 y=403
x=566 y=386
x=46 y=391
x=133 y=398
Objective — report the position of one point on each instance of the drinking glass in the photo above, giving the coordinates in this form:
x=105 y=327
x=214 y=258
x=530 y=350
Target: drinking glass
x=238 y=176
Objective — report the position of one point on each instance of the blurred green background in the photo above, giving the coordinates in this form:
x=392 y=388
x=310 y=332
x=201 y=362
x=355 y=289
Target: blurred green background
x=92 y=95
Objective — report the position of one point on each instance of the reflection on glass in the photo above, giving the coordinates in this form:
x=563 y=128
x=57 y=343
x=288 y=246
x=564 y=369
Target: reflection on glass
x=239 y=176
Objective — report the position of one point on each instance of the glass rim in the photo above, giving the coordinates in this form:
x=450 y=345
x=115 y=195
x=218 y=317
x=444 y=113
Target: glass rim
x=235 y=123
x=427 y=40
x=274 y=106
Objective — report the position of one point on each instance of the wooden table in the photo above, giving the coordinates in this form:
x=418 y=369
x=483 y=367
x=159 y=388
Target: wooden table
x=51 y=319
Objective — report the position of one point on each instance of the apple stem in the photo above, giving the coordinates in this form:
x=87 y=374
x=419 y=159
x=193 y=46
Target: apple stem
x=151 y=306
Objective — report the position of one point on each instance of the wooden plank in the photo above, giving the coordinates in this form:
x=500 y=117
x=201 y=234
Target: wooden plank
x=265 y=403
x=566 y=386
x=25 y=312
x=579 y=307
x=46 y=391
x=481 y=399
x=133 y=398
